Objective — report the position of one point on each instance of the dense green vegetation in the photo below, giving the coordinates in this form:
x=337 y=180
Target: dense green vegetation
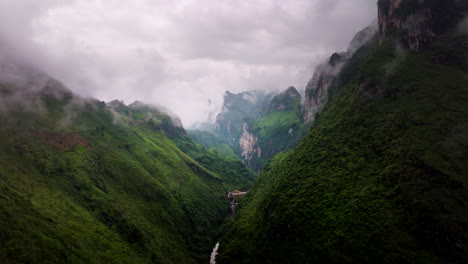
x=86 y=182
x=280 y=128
x=380 y=178
x=274 y=120
x=236 y=108
x=212 y=142
x=235 y=174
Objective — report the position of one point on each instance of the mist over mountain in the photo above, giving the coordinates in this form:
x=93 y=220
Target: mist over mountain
x=258 y=125
x=179 y=54
x=381 y=176
x=89 y=182
x=225 y=131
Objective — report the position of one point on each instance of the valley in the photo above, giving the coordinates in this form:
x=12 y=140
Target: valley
x=124 y=177
x=367 y=163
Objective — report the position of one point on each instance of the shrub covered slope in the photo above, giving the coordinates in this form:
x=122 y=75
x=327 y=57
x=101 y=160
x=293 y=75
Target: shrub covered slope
x=86 y=182
x=257 y=126
x=381 y=177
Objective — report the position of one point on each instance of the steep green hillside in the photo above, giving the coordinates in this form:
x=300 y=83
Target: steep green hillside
x=279 y=129
x=236 y=108
x=382 y=175
x=257 y=126
x=234 y=173
x=212 y=142
x=86 y=182
x=236 y=176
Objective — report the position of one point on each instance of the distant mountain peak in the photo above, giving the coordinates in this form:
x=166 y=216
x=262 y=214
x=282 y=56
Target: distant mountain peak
x=288 y=100
x=293 y=92
x=325 y=74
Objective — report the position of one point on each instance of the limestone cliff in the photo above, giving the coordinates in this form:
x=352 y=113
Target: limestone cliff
x=248 y=144
x=258 y=126
x=316 y=94
x=417 y=22
x=236 y=108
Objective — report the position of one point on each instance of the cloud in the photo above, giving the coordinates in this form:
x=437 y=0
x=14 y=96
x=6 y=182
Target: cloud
x=400 y=54
x=463 y=26
x=180 y=54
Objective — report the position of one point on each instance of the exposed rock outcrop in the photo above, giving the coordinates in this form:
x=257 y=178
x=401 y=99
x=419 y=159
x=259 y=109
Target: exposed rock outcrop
x=285 y=101
x=236 y=107
x=417 y=22
x=248 y=144
x=258 y=126
x=316 y=94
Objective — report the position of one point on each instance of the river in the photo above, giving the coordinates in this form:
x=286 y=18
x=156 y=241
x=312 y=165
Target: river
x=234 y=202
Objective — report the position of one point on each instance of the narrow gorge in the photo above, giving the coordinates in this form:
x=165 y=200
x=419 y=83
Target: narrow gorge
x=363 y=160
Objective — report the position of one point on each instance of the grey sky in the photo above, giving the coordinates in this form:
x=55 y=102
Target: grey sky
x=179 y=54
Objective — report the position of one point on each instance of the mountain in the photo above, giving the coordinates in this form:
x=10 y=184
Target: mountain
x=382 y=175
x=258 y=126
x=236 y=108
x=213 y=142
x=327 y=74
x=279 y=129
x=83 y=181
x=416 y=23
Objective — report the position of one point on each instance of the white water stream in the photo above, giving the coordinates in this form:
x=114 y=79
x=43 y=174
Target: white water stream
x=214 y=253
x=234 y=203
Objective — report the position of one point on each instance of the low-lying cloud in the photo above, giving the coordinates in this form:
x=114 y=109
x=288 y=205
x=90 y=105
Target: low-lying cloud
x=180 y=54
x=463 y=26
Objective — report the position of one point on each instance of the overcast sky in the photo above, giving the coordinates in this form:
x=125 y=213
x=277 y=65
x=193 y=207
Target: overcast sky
x=182 y=54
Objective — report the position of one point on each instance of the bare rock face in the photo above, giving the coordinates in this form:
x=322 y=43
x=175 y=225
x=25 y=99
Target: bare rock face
x=236 y=107
x=417 y=22
x=316 y=94
x=248 y=144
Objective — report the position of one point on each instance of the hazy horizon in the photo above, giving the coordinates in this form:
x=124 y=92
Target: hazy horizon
x=182 y=55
